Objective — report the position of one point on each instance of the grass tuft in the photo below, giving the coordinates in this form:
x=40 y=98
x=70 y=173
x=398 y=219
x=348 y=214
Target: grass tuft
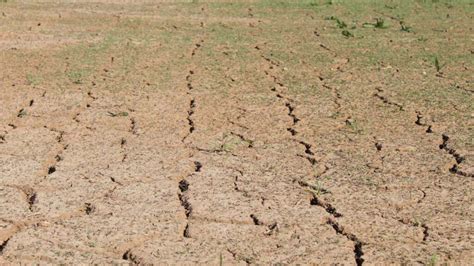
x=437 y=64
x=379 y=24
x=404 y=27
x=347 y=33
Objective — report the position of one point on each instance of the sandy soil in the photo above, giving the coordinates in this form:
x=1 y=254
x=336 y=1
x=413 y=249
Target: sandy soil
x=251 y=133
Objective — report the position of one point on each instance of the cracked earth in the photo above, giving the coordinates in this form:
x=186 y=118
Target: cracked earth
x=235 y=133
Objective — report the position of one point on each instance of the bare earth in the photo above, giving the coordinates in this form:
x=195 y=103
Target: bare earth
x=246 y=133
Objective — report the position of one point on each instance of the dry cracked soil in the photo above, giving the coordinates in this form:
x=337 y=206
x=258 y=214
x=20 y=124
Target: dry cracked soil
x=256 y=132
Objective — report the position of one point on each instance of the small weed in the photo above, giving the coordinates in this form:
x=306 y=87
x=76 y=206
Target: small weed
x=347 y=33
x=22 y=113
x=335 y=115
x=422 y=39
x=75 y=77
x=404 y=27
x=117 y=114
x=341 y=24
x=353 y=125
x=368 y=181
x=32 y=80
x=433 y=260
x=228 y=147
x=320 y=189
x=437 y=64
x=317 y=189
x=379 y=24
x=418 y=221
x=231 y=141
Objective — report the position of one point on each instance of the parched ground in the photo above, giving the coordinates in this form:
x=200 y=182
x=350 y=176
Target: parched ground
x=237 y=133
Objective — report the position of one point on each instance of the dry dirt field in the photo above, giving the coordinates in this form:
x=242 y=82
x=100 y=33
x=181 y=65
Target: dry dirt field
x=264 y=132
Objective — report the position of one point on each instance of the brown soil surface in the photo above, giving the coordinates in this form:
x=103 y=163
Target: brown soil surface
x=236 y=133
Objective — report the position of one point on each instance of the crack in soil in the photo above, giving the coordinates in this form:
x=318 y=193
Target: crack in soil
x=219 y=150
x=89 y=208
x=336 y=97
x=35 y=222
x=255 y=220
x=237 y=124
x=464 y=89
x=191 y=110
x=197 y=166
x=30 y=195
x=189 y=85
x=307 y=146
x=4 y=245
x=419 y=122
x=236 y=180
x=76 y=117
x=310 y=159
x=123 y=143
x=238 y=257
x=88 y=104
x=271 y=228
x=315 y=201
x=129 y=256
x=243 y=139
x=91 y=96
x=279 y=95
x=423 y=197
x=238 y=189
x=444 y=146
x=385 y=100
x=21 y=113
x=133 y=126
x=115 y=181
x=31 y=198
x=183 y=186
x=63 y=147
x=425 y=232
x=295 y=119
x=196 y=47
x=457 y=157
x=423 y=226
x=192 y=107
x=358 y=253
